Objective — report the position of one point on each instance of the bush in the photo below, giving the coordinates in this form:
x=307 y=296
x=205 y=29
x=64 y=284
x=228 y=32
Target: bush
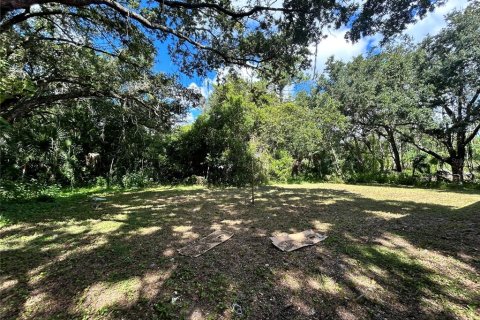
x=280 y=168
x=13 y=190
x=10 y=190
x=402 y=178
x=195 y=180
x=138 y=179
x=101 y=182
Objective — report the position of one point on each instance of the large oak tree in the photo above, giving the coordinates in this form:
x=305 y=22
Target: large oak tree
x=200 y=36
x=448 y=68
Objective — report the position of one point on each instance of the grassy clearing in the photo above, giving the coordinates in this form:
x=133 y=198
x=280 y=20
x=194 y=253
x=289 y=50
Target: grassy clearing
x=392 y=253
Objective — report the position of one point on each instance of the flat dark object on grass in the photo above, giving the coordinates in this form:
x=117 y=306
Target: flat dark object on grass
x=201 y=246
x=289 y=242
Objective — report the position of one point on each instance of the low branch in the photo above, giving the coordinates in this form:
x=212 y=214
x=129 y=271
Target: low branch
x=22 y=108
x=77 y=44
x=25 y=16
x=471 y=103
x=221 y=9
x=411 y=140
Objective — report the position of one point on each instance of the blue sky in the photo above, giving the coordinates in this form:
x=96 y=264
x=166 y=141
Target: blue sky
x=334 y=45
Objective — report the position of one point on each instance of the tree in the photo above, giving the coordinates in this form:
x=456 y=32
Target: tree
x=201 y=35
x=39 y=69
x=372 y=92
x=218 y=145
x=223 y=32
x=292 y=127
x=449 y=112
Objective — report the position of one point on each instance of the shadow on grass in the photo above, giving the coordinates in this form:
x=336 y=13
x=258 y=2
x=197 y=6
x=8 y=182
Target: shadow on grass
x=383 y=259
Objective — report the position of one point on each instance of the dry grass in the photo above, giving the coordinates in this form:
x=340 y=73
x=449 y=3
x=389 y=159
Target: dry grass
x=392 y=253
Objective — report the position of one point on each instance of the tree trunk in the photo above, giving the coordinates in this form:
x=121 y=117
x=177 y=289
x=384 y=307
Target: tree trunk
x=457 y=165
x=395 y=152
x=296 y=167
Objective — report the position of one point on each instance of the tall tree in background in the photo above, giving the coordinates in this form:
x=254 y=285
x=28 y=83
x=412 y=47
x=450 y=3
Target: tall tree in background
x=449 y=66
x=373 y=92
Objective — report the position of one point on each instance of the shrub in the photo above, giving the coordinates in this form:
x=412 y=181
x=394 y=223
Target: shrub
x=195 y=180
x=10 y=190
x=280 y=168
x=138 y=179
x=101 y=182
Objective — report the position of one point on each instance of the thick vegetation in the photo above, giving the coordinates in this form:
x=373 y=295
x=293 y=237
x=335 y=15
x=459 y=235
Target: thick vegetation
x=73 y=114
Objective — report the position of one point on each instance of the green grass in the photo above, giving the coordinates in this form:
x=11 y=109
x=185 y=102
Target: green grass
x=391 y=253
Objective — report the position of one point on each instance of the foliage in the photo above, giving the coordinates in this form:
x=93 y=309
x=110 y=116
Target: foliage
x=449 y=112
x=139 y=179
x=49 y=63
x=404 y=96
x=372 y=92
x=211 y=34
x=74 y=114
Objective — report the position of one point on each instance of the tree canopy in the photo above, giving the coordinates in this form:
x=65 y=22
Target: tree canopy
x=94 y=49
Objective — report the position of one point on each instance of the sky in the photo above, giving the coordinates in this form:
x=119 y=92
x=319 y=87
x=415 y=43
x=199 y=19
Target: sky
x=337 y=46
x=334 y=45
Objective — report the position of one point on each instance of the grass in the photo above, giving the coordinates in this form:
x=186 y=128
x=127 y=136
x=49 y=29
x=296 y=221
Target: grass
x=391 y=253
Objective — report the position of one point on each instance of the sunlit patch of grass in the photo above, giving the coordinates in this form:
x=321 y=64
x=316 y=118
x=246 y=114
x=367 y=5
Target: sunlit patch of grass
x=386 y=215
x=6 y=284
x=37 y=303
x=329 y=285
x=74 y=228
x=386 y=193
x=17 y=242
x=103 y=294
x=105 y=226
x=146 y=230
x=321 y=226
x=291 y=281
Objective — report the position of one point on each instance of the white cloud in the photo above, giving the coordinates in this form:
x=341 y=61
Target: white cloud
x=336 y=44
x=247 y=74
x=207 y=85
x=193 y=86
x=434 y=21
x=189 y=118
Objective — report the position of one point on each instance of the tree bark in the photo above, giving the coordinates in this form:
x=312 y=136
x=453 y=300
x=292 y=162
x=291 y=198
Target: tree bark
x=457 y=158
x=395 y=152
x=296 y=167
x=457 y=165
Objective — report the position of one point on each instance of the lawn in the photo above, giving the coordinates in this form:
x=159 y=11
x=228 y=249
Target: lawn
x=391 y=253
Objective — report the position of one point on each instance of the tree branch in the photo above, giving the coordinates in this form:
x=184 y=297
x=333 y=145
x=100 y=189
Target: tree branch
x=9 y=5
x=471 y=102
x=25 y=16
x=473 y=134
x=22 y=108
x=411 y=140
x=221 y=9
